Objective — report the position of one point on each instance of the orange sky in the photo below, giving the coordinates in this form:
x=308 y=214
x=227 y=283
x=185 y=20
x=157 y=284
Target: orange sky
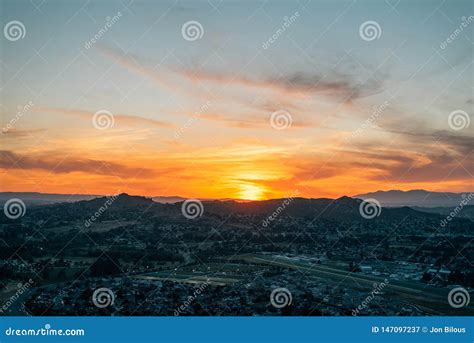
x=244 y=169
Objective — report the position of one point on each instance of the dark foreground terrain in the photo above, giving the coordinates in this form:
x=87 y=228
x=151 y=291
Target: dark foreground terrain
x=127 y=255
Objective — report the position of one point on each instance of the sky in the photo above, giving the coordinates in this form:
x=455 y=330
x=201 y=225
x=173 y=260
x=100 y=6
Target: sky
x=256 y=100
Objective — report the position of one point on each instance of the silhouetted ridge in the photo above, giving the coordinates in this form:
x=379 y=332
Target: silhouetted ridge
x=124 y=199
x=114 y=201
x=341 y=209
x=417 y=197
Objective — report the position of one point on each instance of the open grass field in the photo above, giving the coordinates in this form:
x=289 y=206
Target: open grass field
x=191 y=277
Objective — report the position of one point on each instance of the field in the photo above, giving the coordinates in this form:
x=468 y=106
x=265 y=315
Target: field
x=191 y=277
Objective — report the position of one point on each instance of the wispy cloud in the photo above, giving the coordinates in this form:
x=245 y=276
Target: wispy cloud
x=120 y=119
x=149 y=70
x=331 y=84
x=19 y=133
x=255 y=121
x=56 y=163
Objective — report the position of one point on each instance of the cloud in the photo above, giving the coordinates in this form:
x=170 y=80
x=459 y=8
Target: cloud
x=58 y=163
x=433 y=164
x=120 y=119
x=436 y=169
x=276 y=92
x=417 y=152
x=251 y=122
x=18 y=133
x=131 y=63
x=332 y=84
x=419 y=161
x=140 y=66
x=457 y=143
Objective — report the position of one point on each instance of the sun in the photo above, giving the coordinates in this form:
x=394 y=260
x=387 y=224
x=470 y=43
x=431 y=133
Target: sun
x=250 y=192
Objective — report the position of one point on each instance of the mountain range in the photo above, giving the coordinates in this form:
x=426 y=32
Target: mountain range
x=419 y=198
x=37 y=199
x=392 y=198
x=342 y=209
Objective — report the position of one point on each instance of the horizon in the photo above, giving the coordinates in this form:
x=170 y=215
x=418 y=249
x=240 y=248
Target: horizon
x=355 y=196
x=248 y=111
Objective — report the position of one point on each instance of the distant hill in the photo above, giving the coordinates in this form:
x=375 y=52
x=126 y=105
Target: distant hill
x=127 y=207
x=343 y=209
x=421 y=198
x=109 y=207
x=121 y=200
x=175 y=199
x=394 y=198
x=168 y=199
x=37 y=199
x=466 y=211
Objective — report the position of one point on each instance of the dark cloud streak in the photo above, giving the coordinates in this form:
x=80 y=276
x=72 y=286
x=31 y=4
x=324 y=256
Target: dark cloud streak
x=58 y=164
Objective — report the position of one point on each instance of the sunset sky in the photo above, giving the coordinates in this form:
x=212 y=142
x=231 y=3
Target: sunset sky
x=193 y=118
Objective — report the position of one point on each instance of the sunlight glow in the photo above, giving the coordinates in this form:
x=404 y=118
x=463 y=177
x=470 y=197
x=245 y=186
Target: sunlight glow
x=250 y=192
